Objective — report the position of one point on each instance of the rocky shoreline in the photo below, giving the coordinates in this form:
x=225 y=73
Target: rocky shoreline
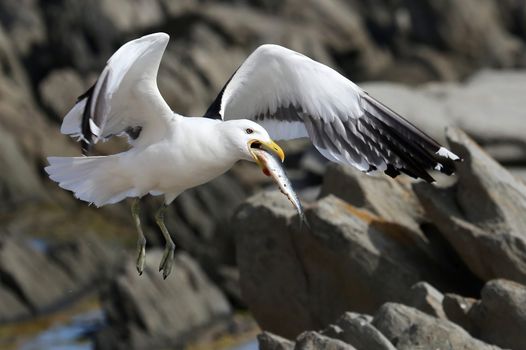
x=389 y=248
x=438 y=257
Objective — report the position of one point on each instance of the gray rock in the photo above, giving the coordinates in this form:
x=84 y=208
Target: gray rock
x=11 y=307
x=457 y=310
x=402 y=207
x=408 y=328
x=315 y=341
x=349 y=260
x=482 y=216
x=369 y=192
x=502 y=199
x=24 y=23
x=500 y=316
x=18 y=180
x=147 y=311
x=37 y=277
x=269 y=341
x=471 y=106
x=426 y=298
x=469 y=27
x=356 y=330
x=29 y=274
x=86 y=259
x=59 y=91
x=133 y=15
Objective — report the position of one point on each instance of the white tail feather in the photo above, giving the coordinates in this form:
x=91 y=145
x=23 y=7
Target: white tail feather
x=97 y=180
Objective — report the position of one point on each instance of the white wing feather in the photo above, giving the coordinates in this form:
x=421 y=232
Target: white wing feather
x=293 y=96
x=125 y=94
x=274 y=76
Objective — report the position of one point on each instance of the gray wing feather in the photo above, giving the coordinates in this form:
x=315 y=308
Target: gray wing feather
x=293 y=96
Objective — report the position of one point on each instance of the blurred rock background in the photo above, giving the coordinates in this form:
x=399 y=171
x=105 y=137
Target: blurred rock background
x=417 y=258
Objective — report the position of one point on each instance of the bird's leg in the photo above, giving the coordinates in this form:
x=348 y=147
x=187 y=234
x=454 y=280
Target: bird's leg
x=141 y=240
x=168 y=256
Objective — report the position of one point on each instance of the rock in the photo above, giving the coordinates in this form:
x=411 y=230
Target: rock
x=519 y=173
x=133 y=15
x=402 y=208
x=79 y=35
x=18 y=181
x=59 y=91
x=86 y=259
x=500 y=316
x=269 y=341
x=457 y=310
x=408 y=328
x=24 y=23
x=32 y=277
x=482 y=34
x=37 y=276
x=356 y=330
x=369 y=192
x=350 y=259
x=470 y=106
x=11 y=307
x=482 y=216
x=426 y=298
x=315 y=341
x=147 y=311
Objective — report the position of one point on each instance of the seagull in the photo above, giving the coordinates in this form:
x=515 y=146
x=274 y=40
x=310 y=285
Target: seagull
x=276 y=94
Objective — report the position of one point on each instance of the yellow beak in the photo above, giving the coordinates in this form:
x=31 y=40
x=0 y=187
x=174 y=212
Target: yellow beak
x=270 y=146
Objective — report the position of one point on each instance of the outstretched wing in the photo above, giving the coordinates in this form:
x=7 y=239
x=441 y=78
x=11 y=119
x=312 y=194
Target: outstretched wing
x=125 y=97
x=293 y=96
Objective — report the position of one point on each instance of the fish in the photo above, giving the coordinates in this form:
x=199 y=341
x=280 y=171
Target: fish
x=271 y=166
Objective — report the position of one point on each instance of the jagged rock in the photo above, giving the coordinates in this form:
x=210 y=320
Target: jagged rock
x=482 y=216
x=408 y=328
x=147 y=311
x=369 y=192
x=86 y=259
x=11 y=307
x=500 y=316
x=402 y=206
x=32 y=276
x=356 y=330
x=426 y=298
x=315 y=341
x=457 y=310
x=350 y=259
x=269 y=341
x=36 y=277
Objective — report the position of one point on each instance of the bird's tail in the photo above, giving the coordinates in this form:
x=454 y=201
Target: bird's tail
x=97 y=180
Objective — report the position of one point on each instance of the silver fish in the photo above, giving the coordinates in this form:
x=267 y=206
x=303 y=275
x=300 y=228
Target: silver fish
x=271 y=166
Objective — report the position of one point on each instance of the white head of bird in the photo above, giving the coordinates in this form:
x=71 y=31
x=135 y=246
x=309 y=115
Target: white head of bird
x=243 y=135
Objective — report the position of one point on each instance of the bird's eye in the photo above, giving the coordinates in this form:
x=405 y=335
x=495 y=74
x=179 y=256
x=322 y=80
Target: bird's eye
x=249 y=131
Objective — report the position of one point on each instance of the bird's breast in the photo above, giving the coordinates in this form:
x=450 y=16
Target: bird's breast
x=178 y=163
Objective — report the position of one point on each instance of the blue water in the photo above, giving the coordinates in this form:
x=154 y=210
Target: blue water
x=70 y=336
x=252 y=345
x=38 y=244
x=74 y=335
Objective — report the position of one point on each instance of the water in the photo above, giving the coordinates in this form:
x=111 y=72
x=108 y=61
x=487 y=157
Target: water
x=251 y=345
x=68 y=336
x=73 y=332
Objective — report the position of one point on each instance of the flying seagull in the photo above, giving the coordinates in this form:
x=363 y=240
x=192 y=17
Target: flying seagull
x=276 y=93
